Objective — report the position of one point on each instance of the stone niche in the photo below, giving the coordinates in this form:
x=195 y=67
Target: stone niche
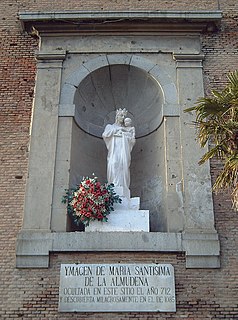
x=82 y=77
x=95 y=99
x=144 y=86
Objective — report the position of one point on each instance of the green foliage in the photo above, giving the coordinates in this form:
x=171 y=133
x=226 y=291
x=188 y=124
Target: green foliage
x=67 y=198
x=217 y=122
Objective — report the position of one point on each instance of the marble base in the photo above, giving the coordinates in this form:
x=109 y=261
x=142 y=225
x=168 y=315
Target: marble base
x=126 y=217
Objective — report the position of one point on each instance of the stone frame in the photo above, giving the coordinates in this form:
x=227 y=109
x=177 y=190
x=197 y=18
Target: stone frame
x=36 y=240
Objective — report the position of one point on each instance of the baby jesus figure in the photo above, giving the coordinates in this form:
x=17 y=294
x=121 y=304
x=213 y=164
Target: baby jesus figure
x=128 y=131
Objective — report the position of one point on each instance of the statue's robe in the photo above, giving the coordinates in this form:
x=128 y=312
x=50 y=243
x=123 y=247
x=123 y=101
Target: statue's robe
x=119 y=156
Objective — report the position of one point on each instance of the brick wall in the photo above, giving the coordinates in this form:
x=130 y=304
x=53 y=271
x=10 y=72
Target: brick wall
x=201 y=294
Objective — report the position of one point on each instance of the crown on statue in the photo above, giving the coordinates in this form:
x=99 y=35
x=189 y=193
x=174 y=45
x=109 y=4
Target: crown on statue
x=121 y=111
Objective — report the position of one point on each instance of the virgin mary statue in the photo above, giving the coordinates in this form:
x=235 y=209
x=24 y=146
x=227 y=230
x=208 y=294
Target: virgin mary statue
x=119 y=139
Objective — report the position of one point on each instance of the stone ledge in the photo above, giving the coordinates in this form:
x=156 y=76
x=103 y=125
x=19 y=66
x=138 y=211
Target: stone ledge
x=160 y=14
x=119 y=21
x=33 y=247
x=202 y=249
x=117 y=241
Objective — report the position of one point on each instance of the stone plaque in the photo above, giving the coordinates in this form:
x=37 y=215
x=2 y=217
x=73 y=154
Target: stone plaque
x=116 y=288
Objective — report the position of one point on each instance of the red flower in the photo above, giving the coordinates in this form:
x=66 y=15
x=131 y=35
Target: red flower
x=91 y=200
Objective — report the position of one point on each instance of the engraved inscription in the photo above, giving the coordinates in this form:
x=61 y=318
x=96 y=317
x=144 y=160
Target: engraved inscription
x=117 y=287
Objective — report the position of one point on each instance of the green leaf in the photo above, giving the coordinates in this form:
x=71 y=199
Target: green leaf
x=217 y=121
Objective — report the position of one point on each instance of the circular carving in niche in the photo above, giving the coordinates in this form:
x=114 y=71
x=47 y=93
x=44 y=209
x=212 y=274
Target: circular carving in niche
x=118 y=86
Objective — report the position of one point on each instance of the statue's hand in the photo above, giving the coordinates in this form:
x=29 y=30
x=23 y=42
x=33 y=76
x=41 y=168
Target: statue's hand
x=118 y=133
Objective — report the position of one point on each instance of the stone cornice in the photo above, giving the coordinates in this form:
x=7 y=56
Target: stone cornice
x=119 y=21
x=51 y=56
x=202 y=250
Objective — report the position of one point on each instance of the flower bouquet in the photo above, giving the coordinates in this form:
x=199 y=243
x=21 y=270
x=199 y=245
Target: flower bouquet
x=90 y=201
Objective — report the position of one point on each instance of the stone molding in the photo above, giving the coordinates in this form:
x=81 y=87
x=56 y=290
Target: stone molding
x=140 y=14
x=119 y=21
x=50 y=56
x=189 y=60
x=50 y=60
x=201 y=249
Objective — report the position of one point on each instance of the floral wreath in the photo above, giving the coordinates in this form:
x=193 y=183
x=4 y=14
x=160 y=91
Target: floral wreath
x=90 y=201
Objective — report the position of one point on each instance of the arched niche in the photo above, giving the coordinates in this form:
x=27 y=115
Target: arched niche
x=95 y=91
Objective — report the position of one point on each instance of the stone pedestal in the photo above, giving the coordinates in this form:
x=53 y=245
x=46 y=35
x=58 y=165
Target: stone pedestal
x=126 y=216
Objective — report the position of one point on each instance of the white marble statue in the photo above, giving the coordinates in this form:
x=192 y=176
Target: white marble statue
x=119 y=139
